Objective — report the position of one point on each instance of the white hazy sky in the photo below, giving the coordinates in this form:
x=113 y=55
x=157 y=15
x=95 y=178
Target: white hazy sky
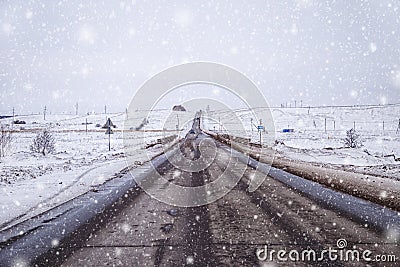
x=57 y=53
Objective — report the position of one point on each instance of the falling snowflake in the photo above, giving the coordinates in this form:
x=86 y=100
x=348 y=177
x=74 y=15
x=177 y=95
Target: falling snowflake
x=190 y=260
x=55 y=242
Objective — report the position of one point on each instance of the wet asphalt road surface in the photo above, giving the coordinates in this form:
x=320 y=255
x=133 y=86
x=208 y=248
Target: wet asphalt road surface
x=239 y=229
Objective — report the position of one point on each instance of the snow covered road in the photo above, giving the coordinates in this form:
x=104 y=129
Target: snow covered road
x=231 y=230
x=121 y=225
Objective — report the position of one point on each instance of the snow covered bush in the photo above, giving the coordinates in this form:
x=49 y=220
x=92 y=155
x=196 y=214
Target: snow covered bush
x=43 y=143
x=352 y=139
x=5 y=140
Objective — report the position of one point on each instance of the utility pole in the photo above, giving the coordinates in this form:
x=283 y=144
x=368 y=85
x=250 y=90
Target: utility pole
x=383 y=126
x=105 y=109
x=13 y=118
x=76 y=108
x=325 y=125
x=86 y=125
x=44 y=113
x=301 y=103
x=334 y=125
x=177 y=125
x=12 y=124
x=260 y=131
x=251 y=124
x=354 y=125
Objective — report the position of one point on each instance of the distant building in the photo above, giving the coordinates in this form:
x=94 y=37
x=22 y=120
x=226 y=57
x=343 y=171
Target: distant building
x=178 y=108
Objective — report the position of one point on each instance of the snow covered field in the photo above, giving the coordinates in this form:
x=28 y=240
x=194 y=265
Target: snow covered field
x=31 y=183
x=376 y=125
x=381 y=144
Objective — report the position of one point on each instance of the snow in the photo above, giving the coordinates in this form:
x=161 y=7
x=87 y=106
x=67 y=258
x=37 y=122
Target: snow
x=311 y=51
x=376 y=125
x=31 y=183
x=27 y=198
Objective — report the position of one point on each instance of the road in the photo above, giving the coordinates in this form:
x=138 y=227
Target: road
x=236 y=230
x=287 y=221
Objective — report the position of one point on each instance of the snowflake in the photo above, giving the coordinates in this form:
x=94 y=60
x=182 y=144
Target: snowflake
x=372 y=47
x=86 y=35
x=55 y=242
x=183 y=17
x=28 y=14
x=234 y=50
x=126 y=228
x=189 y=260
x=383 y=100
x=7 y=28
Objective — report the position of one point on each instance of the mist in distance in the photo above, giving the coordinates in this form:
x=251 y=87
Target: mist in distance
x=59 y=53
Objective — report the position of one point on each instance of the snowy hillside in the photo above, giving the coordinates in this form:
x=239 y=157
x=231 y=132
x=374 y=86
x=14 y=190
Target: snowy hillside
x=311 y=141
x=31 y=182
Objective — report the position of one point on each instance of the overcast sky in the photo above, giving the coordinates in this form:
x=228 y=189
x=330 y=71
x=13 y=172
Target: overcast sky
x=57 y=53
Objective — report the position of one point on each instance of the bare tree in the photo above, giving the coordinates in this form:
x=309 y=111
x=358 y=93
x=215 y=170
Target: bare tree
x=43 y=143
x=5 y=140
x=352 y=139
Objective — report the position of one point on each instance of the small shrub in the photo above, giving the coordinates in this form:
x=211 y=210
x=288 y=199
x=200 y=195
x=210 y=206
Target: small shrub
x=352 y=139
x=5 y=140
x=43 y=143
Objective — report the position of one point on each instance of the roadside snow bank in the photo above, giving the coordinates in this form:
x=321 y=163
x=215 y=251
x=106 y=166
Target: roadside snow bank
x=379 y=190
